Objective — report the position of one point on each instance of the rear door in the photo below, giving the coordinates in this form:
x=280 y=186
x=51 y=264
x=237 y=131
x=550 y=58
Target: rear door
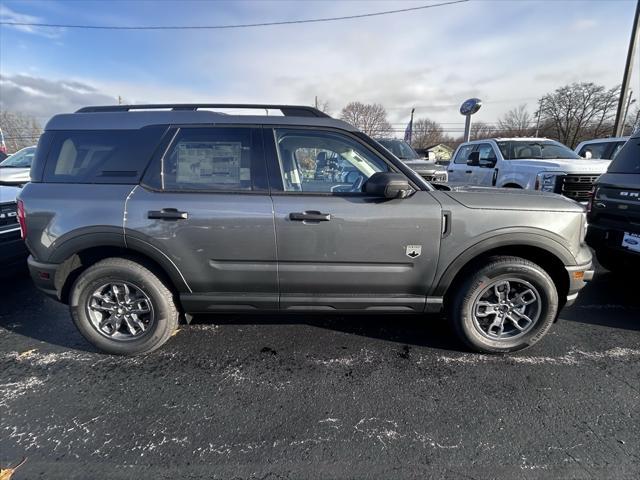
x=204 y=204
x=338 y=248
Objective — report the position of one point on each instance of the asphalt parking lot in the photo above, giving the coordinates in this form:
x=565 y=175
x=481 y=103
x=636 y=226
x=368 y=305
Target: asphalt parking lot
x=322 y=397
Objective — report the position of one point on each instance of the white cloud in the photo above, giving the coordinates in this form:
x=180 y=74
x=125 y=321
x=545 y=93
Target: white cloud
x=8 y=15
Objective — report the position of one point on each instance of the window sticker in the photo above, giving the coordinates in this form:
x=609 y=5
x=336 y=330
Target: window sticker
x=209 y=162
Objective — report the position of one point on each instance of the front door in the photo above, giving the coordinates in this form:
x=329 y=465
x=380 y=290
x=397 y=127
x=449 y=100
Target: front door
x=205 y=205
x=338 y=248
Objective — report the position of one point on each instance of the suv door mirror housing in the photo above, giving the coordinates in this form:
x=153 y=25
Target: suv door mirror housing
x=473 y=160
x=387 y=185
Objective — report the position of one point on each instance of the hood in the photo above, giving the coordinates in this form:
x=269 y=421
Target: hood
x=15 y=175
x=422 y=165
x=490 y=198
x=8 y=194
x=565 y=165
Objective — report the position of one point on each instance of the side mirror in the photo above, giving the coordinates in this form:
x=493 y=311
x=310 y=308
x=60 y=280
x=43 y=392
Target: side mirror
x=473 y=160
x=387 y=185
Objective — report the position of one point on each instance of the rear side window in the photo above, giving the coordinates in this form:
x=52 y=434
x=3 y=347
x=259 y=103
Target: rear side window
x=228 y=159
x=628 y=160
x=101 y=156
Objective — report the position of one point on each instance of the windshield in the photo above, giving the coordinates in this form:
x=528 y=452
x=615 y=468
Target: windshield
x=400 y=149
x=628 y=159
x=536 y=149
x=20 y=159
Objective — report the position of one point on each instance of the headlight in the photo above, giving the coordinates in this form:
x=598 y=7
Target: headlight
x=546 y=181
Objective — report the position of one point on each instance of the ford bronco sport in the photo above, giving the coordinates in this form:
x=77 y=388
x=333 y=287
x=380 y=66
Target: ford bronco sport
x=138 y=215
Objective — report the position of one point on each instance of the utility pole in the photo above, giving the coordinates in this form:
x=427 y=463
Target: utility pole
x=626 y=79
x=316 y=102
x=626 y=110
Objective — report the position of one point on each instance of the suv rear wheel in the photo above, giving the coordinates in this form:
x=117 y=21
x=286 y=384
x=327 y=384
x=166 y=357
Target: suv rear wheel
x=122 y=307
x=507 y=305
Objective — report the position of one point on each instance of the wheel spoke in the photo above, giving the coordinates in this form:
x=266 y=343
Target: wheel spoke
x=484 y=309
x=497 y=327
x=516 y=321
x=502 y=290
x=525 y=298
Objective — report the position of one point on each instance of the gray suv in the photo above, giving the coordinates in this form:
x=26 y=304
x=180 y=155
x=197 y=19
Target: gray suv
x=140 y=216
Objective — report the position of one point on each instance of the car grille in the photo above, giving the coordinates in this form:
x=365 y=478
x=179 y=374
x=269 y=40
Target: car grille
x=435 y=177
x=577 y=187
x=8 y=216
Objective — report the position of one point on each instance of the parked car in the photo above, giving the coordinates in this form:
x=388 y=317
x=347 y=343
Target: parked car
x=13 y=252
x=614 y=213
x=601 y=148
x=14 y=170
x=427 y=169
x=527 y=163
x=3 y=147
x=188 y=211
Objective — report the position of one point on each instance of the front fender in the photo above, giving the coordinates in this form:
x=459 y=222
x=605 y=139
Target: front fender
x=528 y=238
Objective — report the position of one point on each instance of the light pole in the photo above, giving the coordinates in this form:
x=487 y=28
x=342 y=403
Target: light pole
x=626 y=79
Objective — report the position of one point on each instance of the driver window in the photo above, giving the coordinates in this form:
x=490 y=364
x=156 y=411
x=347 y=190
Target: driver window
x=324 y=162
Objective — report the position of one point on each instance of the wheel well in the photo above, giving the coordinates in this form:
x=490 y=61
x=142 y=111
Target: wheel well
x=512 y=185
x=548 y=261
x=77 y=263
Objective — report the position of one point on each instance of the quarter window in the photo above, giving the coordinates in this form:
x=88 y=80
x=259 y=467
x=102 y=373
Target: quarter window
x=324 y=162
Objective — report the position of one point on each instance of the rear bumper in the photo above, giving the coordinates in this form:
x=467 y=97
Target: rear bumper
x=579 y=276
x=44 y=277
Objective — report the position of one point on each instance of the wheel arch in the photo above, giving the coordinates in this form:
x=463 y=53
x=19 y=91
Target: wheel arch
x=73 y=261
x=552 y=258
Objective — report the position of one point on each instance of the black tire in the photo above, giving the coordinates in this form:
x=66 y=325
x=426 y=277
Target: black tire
x=615 y=262
x=164 y=312
x=500 y=269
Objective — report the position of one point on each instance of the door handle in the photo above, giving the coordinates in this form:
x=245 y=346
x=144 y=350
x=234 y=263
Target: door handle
x=468 y=171
x=450 y=171
x=310 y=216
x=167 y=214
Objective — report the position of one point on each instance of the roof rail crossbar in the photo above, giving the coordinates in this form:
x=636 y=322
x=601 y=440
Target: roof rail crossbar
x=287 y=110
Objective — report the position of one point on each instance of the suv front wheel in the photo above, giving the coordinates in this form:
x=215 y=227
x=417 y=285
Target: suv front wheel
x=507 y=305
x=122 y=307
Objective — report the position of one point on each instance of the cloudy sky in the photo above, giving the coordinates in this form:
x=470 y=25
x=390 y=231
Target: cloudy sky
x=507 y=52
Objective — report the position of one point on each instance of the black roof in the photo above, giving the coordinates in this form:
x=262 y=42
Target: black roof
x=118 y=117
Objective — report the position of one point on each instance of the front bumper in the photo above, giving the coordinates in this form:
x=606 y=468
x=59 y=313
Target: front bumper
x=610 y=238
x=579 y=276
x=44 y=277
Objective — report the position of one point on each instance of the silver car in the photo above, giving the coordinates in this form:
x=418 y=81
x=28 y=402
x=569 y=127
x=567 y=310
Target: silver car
x=15 y=169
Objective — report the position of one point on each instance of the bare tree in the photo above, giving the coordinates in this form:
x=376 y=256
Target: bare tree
x=370 y=118
x=633 y=120
x=323 y=105
x=480 y=130
x=516 y=122
x=20 y=130
x=578 y=112
x=426 y=133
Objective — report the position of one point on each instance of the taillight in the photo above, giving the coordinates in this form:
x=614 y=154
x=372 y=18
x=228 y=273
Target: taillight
x=22 y=220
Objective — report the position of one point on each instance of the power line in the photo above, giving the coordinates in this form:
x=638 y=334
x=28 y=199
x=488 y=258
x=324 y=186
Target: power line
x=220 y=27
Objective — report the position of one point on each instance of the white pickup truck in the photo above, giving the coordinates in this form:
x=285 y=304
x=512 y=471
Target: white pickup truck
x=529 y=163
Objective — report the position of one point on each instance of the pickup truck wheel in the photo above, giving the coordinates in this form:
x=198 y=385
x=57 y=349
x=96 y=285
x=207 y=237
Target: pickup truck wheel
x=122 y=307
x=507 y=305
